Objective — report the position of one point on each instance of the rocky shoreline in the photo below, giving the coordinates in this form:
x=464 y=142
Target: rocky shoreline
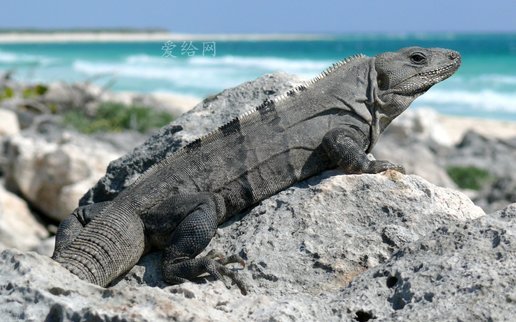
x=335 y=247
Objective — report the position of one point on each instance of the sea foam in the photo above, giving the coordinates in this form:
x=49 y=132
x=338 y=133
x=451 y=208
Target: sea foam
x=487 y=100
x=7 y=57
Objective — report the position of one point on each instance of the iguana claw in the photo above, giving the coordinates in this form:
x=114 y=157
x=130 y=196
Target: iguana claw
x=378 y=166
x=218 y=270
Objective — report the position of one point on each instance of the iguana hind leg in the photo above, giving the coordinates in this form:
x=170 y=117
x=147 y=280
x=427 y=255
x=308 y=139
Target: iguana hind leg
x=184 y=226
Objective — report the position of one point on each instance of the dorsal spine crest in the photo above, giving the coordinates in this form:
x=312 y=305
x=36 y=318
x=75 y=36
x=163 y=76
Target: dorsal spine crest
x=250 y=114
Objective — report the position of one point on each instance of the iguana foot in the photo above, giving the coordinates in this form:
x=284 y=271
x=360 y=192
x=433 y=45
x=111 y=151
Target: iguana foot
x=217 y=269
x=378 y=166
x=184 y=269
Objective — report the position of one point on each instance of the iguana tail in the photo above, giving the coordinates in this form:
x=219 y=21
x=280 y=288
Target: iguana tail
x=106 y=247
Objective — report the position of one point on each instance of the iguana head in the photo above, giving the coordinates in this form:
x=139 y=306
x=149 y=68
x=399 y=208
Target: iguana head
x=404 y=75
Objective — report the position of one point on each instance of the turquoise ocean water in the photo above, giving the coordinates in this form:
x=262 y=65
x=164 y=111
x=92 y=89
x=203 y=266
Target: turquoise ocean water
x=485 y=86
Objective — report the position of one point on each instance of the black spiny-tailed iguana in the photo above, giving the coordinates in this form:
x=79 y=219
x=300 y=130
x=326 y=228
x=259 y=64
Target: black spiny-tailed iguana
x=176 y=205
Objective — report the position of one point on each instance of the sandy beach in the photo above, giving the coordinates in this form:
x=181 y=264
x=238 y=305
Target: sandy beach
x=456 y=126
x=27 y=37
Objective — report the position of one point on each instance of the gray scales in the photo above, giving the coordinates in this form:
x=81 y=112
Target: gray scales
x=331 y=121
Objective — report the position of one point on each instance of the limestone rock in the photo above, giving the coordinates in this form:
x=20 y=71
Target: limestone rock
x=53 y=173
x=498 y=193
x=494 y=155
x=421 y=124
x=65 y=96
x=18 y=228
x=303 y=247
x=460 y=272
x=317 y=236
x=9 y=124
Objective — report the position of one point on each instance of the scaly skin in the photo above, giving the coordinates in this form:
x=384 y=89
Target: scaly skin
x=176 y=205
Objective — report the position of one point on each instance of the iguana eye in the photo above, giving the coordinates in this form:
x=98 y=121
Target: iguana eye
x=418 y=58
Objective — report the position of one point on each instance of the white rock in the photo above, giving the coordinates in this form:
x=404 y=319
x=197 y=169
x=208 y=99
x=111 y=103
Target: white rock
x=303 y=247
x=423 y=124
x=9 y=124
x=18 y=228
x=459 y=272
x=54 y=175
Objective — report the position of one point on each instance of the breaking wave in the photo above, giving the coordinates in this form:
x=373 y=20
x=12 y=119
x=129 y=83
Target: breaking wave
x=213 y=73
x=486 y=100
x=254 y=62
x=178 y=75
x=7 y=57
x=268 y=63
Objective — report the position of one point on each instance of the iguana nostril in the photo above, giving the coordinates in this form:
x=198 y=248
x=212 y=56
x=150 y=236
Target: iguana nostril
x=453 y=55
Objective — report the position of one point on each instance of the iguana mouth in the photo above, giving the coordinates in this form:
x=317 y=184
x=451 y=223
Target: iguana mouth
x=421 y=82
x=446 y=70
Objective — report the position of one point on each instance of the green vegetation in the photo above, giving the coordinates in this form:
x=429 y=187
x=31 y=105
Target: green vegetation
x=115 y=117
x=469 y=177
x=34 y=91
x=6 y=93
x=27 y=92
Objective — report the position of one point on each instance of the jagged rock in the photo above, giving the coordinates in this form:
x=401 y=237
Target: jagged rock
x=303 y=246
x=498 y=193
x=52 y=173
x=460 y=272
x=18 y=228
x=338 y=227
x=211 y=113
x=122 y=141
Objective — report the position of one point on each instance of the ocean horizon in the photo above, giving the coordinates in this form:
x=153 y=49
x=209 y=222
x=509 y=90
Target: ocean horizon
x=485 y=85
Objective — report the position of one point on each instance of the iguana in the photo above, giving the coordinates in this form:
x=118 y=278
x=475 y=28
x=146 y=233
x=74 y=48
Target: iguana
x=331 y=121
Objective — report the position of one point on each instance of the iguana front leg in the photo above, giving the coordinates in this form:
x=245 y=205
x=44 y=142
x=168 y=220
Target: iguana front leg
x=346 y=148
x=184 y=226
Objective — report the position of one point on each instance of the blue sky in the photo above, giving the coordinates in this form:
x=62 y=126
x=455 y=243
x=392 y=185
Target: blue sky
x=267 y=16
